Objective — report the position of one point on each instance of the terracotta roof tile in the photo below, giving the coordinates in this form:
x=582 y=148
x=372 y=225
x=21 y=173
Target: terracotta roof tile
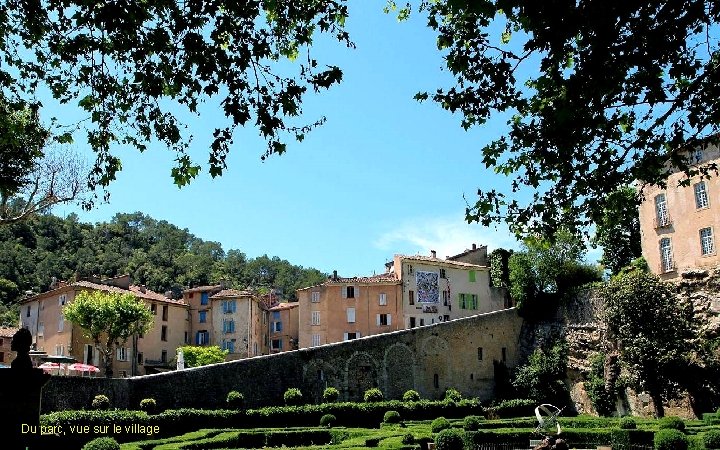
x=226 y=293
x=438 y=260
x=283 y=306
x=8 y=332
x=216 y=287
x=137 y=291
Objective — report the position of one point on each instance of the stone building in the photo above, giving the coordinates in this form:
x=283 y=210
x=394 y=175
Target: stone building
x=678 y=223
x=201 y=326
x=238 y=323
x=42 y=315
x=283 y=322
x=6 y=355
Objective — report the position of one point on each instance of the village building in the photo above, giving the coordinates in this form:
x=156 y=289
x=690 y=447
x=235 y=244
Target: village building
x=283 y=332
x=238 y=324
x=6 y=355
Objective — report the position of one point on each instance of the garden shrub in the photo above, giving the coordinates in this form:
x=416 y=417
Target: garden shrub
x=453 y=395
x=373 y=395
x=372 y=442
x=471 y=423
x=408 y=439
x=328 y=420
x=391 y=417
x=411 y=396
x=672 y=423
x=149 y=405
x=670 y=439
x=439 y=424
x=102 y=443
x=235 y=400
x=711 y=439
x=101 y=402
x=627 y=423
x=330 y=395
x=293 y=397
x=514 y=408
x=449 y=439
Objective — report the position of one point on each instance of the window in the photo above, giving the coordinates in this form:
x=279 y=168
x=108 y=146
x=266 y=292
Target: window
x=411 y=297
x=229 y=306
x=446 y=317
x=202 y=316
x=41 y=329
x=351 y=315
x=62 y=299
x=276 y=344
x=666 y=259
x=185 y=338
x=504 y=354
x=436 y=381
x=255 y=348
x=153 y=308
x=471 y=276
x=163 y=333
x=446 y=297
x=383 y=319
x=165 y=313
x=276 y=327
x=463 y=304
x=474 y=301
x=28 y=312
x=662 y=219
x=315 y=297
x=410 y=269
x=315 y=319
x=2 y=341
x=140 y=358
x=60 y=350
x=442 y=273
x=122 y=354
x=350 y=336
x=61 y=323
x=204 y=298
x=349 y=292
x=315 y=340
x=422 y=322
x=276 y=315
x=229 y=345
x=707 y=245
x=696 y=156
x=412 y=322
x=163 y=356
x=383 y=299
x=202 y=337
x=701 y=196
x=228 y=326
x=480 y=353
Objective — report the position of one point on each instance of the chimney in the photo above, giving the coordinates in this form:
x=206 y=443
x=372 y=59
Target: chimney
x=474 y=247
x=433 y=253
x=168 y=294
x=335 y=277
x=143 y=289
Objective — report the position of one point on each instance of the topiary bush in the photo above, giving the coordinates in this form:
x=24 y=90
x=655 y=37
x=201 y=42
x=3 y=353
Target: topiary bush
x=711 y=439
x=439 y=424
x=670 y=439
x=293 y=397
x=101 y=402
x=671 y=423
x=149 y=405
x=102 y=443
x=453 y=395
x=449 y=439
x=330 y=395
x=471 y=423
x=328 y=420
x=391 y=417
x=235 y=400
x=627 y=423
x=411 y=396
x=373 y=395
x=408 y=439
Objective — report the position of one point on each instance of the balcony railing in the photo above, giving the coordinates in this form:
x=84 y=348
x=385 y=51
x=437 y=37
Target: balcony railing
x=662 y=221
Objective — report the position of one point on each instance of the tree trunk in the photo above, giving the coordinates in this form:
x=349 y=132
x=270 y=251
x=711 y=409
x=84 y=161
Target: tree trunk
x=657 y=403
x=108 y=360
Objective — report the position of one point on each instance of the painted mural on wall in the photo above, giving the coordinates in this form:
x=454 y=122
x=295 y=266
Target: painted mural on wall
x=428 y=289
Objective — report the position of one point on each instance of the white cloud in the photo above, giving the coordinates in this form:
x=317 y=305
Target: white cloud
x=446 y=235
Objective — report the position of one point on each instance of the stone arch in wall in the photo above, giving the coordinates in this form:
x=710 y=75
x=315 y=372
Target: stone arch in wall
x=434 y=367
x=318 y=375
x=399 y=365
x=361 y=374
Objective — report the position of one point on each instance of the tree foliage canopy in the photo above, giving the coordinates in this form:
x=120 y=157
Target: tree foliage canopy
x=653 y=330
x=196 y=356
x=134 y=68
x=109 y=318
x=618 y=230
x=596 y=94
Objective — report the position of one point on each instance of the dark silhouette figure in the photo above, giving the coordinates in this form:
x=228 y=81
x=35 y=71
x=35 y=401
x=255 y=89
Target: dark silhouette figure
x=552 y=443
x=21 y=342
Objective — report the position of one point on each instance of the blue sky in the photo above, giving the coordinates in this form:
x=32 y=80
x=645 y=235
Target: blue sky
x=384 y=175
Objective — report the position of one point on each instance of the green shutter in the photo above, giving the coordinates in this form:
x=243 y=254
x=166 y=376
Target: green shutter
x=471 y=274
